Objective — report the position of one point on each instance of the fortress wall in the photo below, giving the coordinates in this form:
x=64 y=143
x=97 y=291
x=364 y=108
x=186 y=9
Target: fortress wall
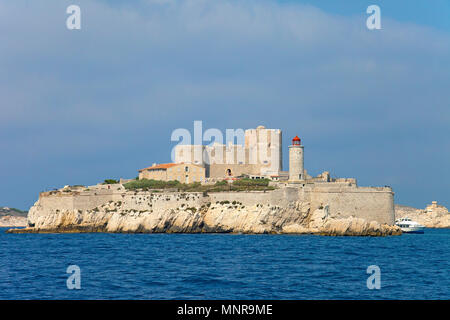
x=167 y=200
x=91 y=200
x=278 y=197
x=140 y=201
x=367 y=203
x=163 y=201
x=246 y=198
x=56 y=201
x=220 y=170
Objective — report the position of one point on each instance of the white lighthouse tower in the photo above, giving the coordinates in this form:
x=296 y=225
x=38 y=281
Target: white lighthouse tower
x=296 y=171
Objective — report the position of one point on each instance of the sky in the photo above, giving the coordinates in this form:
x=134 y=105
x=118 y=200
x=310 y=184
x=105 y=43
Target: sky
x=81 y=106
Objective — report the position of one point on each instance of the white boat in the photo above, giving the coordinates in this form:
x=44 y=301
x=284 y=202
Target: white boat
x=409 y=226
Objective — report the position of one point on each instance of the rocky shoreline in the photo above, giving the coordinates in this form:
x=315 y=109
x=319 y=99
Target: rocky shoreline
x=10 y=217
x=12 y=222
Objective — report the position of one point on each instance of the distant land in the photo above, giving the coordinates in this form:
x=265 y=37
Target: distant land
x=433 y=216
x=12 y=217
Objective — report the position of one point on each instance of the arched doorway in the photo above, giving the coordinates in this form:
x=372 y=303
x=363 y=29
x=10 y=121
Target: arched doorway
x=229 y=173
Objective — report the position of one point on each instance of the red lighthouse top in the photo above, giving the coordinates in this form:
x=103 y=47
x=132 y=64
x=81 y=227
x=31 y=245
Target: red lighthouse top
x=296 y=141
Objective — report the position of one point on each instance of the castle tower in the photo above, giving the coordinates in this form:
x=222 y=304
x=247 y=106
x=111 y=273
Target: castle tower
x=296 y=172
x=264 y=149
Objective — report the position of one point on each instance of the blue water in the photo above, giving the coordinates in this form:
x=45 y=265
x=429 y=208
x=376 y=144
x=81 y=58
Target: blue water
x=223 y=266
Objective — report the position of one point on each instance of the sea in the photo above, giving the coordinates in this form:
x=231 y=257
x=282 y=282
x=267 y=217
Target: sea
x=224 y=266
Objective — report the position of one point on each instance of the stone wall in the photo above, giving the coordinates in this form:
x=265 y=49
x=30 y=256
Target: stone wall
x=184 y=173
x=344 y=200
x=220 y=170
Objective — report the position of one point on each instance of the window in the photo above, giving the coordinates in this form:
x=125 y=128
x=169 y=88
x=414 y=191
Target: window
x=186 y=169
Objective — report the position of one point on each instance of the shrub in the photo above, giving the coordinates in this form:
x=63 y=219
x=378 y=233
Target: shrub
x=238 y=185
x=246 y=182
x=18 y=210
x=150 y=184
x=110 y=181
x=221 y=183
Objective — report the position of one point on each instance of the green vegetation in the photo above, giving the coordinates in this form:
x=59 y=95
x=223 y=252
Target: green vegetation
x=19 y=211
x=221 y=183
x=246 y=182
x=12 y=212
x=110 y=181
x=151 y=184
x=220 y=186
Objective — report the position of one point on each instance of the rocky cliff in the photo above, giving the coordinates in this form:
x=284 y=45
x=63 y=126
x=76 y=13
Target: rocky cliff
x=191 y=213
x=433 y=216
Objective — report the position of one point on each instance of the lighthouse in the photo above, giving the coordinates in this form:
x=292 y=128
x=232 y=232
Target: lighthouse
x=296 y=172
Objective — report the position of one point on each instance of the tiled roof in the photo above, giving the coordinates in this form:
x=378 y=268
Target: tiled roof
x=163 y=166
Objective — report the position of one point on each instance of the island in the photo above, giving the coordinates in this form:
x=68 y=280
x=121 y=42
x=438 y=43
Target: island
x=12 y=217
x=228 y=189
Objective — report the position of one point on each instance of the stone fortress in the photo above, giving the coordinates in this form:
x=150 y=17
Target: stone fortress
x=297 y=202
x=260 y=156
